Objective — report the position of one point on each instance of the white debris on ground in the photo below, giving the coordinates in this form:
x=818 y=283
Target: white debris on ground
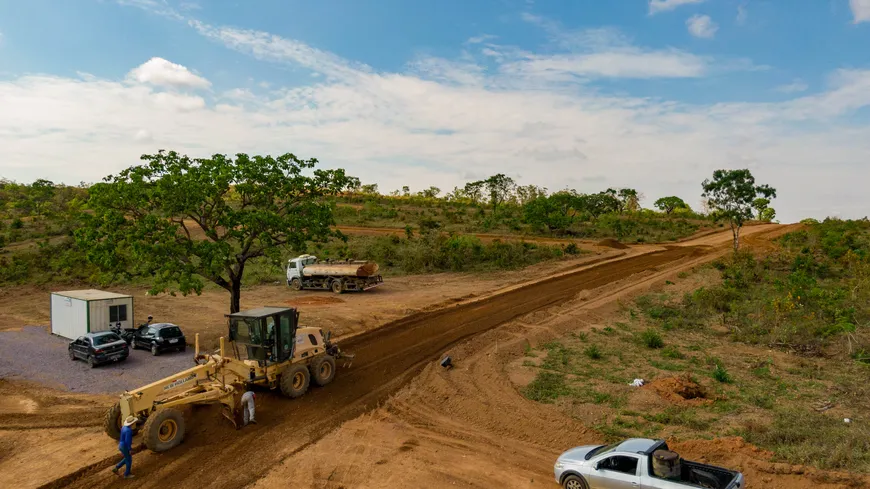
x=637 y=383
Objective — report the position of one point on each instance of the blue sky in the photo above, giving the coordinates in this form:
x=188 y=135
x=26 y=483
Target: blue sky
x=652 y=94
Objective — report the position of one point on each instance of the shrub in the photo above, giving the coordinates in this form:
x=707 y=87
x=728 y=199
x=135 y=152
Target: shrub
x=593 y=352
x=547 y=387
x=671 y=351
x=652 y=339
x=721 y=375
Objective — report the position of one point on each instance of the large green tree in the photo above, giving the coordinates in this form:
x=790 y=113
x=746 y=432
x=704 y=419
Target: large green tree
x=731 y=194
x=670 y=204
x=181 y=220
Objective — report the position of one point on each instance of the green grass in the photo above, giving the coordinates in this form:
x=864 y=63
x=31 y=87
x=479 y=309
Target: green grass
x=672 y=352
x=593 y=352
x=547 y=387
x=652 y=339
x=800 y=436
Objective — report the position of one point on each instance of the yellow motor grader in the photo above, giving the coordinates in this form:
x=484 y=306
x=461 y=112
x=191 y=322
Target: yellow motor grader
x=277 y=353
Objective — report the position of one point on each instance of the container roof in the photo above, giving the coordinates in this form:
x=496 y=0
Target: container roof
x=91 y=295
x=260 y=312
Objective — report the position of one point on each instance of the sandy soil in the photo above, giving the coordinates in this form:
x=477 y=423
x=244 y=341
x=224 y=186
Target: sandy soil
x=395 y=419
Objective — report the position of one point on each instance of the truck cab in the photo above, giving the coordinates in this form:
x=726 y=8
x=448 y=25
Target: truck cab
x=296 y=265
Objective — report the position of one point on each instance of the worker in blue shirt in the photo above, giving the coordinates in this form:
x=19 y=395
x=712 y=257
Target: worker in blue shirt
x=125 y=445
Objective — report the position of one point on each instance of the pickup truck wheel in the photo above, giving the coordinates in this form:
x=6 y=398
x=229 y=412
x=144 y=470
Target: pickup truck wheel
x=164 y=430
x=322 y=370
x=91 y=361
x=338 y=286
x=574 y=482
x=295 y=284
x=112 y=421
x=154 y=350
x=294 y=381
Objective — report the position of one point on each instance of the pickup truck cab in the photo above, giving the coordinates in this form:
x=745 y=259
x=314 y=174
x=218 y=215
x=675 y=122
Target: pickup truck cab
x=629 y=465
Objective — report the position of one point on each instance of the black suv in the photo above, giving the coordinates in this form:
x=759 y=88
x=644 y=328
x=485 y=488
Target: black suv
x=159 y=338
x=97 y=348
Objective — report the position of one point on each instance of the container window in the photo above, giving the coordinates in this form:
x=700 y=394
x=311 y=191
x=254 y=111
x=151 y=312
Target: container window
x=118 y=313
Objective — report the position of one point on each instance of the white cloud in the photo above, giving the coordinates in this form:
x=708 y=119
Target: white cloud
x=742 y=14
x=860 y=10
x=795 y=86
x=442 y=120
x=160 y=72
x=702 y=26
x=656 y=6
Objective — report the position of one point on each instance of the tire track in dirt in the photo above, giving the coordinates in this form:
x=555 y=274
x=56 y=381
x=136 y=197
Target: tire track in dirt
x=387 y=358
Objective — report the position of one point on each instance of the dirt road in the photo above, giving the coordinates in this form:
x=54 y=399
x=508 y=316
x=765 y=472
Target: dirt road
x=387 y=358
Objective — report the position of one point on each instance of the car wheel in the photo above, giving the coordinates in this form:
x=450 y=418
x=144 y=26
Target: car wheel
x=91 y=361
x=154 y=350
x=72 y=355
x=574 y=482
x=183 y=347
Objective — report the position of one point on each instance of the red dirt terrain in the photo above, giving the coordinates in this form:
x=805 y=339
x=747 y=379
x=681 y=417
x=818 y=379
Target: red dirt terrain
x=395 y=419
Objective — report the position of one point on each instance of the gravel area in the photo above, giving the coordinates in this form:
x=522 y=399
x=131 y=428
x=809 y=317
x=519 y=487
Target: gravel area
x=34 y=354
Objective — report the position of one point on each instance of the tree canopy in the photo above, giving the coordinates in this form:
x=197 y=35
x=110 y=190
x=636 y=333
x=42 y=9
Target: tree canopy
x=181 y=220
x=731 y=194
x=670 y=204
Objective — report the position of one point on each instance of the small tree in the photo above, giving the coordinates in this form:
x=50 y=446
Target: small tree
x=730 y=195
x=370 y=189
x=181 y=220
x=474 y=191
x=670 y=204
x=430 y=193
x=500 y=188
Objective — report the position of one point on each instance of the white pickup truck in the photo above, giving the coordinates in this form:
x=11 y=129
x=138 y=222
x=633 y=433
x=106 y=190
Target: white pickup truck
x=631 y=465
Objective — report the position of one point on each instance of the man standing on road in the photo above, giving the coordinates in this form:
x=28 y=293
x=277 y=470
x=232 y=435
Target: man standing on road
x=125 y=445
x=248 y=408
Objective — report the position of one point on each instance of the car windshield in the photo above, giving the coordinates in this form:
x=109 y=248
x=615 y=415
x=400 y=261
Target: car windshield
x=601 y=450
x=171 y=332
x=105 y=339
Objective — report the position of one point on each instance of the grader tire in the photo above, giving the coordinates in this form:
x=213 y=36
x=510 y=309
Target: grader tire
x=294 y=381
x=112 y=421
x=164 y=430
x=322 y=370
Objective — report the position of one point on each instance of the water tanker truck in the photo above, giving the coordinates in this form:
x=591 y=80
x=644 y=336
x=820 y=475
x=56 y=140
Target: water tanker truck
x=307 y=272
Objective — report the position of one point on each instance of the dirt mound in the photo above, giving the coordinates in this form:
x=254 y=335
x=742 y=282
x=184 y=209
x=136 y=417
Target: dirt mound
x=612 y=243
x=680 y=390
x=315 y=300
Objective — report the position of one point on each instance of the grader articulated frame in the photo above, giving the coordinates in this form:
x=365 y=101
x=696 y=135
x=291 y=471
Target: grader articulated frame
x=279 y=355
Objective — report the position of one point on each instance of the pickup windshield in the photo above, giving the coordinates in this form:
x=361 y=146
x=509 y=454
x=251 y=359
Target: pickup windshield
x=105 y=339
x=171 y=332
x=601 y=450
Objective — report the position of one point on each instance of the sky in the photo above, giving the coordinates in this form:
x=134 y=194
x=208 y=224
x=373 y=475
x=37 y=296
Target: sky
x=582 y=94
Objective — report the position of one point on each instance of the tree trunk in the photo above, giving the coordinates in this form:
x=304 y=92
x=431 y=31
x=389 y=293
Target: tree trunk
x=235 y=295
x=735 y=230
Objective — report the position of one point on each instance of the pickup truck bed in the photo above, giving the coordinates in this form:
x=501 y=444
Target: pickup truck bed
x=705 y=476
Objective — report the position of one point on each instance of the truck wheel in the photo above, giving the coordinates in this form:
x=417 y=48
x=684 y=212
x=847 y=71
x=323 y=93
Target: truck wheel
x=322 y=370
x=295 y=284
x=338 y=286
x=112 y=421
x=574 y=482
x=164 y=430
x=294 y=381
